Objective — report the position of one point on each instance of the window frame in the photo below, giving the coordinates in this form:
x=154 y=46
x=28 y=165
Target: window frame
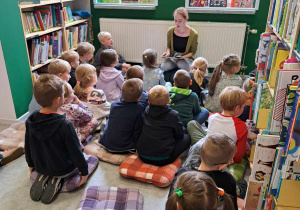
x=138 y=6
x=222 y=10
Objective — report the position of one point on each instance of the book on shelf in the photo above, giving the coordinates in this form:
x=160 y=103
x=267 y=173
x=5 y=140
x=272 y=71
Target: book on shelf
x=218 y=3
x=242 y=3
x=284 y=77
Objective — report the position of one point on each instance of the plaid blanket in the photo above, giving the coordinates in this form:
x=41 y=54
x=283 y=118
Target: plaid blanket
x=73 y=182
x=98 y=150
x=134 y=168
x=13 y=137
x=104 y=197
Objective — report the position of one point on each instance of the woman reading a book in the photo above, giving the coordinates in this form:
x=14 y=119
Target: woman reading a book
x=182 y=43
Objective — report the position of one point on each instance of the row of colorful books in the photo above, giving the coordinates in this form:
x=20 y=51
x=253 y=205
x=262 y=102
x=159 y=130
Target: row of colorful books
x=46 y=17
x=284 y=18
x=45 y=47
x=78 y=34
x=222 y=3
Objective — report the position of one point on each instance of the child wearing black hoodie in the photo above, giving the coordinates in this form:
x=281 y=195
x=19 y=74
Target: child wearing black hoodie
x=51 y=144
x=163 y=136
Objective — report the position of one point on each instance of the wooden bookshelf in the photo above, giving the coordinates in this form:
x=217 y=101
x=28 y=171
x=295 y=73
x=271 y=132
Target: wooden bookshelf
x=74 y=5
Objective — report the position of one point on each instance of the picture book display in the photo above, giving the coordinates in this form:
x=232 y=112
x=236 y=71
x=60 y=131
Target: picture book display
x=218 y=3
x=199 y=3
x=242 y=3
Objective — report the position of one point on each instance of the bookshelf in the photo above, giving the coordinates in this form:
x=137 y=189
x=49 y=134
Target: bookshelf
x=52 y=30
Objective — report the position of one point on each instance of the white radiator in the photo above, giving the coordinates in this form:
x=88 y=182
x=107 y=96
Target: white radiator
x=131 y=37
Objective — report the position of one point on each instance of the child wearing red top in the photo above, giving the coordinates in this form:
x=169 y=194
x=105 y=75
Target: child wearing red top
x=232 y=100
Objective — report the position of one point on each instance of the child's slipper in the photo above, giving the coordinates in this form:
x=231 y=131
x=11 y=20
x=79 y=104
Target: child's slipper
x=53 y=186
x=38 y=187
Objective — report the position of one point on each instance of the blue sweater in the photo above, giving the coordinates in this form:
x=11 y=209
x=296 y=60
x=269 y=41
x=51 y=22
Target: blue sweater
x=124 y=125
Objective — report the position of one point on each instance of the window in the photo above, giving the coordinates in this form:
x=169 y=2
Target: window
x=222 y=6
x=126 y=4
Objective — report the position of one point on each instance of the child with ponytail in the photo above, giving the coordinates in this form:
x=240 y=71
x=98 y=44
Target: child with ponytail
x=198 y=71
x=196 y=190
x=223 y=76
x=95 y=99
x=153 y=74
x=78 y=114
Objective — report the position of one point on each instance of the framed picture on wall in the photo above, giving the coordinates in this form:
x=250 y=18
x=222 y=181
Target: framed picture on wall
x=125 y=4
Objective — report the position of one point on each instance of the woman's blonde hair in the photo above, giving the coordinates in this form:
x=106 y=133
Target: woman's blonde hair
x=197 y=191
x=226 y=65
x=149 y=58
x=84 y=75
x=199 y=68
x=181 y=11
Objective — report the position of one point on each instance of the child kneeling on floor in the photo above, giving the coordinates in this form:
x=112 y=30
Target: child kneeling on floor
x=125 y=121
x=51 y=143
x=197 y=191
x=216 y=153
x=163 y=136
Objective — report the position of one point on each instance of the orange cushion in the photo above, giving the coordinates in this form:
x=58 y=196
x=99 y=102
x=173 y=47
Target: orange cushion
x=162 y=176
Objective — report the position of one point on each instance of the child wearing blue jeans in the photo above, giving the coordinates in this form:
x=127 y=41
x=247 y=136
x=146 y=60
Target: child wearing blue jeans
x=184 y=101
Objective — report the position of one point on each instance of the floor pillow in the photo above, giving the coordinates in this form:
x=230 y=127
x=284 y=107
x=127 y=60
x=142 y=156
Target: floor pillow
x=162 y=176
x=104 y=197
x=238 y=169
x=13 y=137
x=98 y=150
x=73 y=182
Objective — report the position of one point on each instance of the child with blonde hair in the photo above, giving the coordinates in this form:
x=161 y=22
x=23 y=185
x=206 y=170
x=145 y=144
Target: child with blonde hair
x=59 y=68
x=161 y=126
x=110 y=79
x=72 y=57
x=198 y=191
x=232 y=100
x=153 y=74
x=198 y=71
x=106 y=41
x=85 y=51
x=94 y=98
x=78 y=114
x=223 y=76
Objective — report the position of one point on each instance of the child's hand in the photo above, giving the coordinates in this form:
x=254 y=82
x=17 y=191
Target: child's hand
x=124 y=69
x=83 y=180
x=165 y=54
x=30 y=170
x=76 y=100
x=126 y=65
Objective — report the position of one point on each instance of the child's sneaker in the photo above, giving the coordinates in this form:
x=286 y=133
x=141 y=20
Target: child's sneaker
x=38 y=187
x=53 y=186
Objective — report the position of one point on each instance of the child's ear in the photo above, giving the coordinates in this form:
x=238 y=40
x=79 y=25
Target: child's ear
x=174 y=84
x=169 y=100
x=191 y=82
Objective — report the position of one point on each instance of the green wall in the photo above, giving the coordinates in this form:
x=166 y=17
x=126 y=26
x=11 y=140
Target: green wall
x=165 y=9
x=15 y=55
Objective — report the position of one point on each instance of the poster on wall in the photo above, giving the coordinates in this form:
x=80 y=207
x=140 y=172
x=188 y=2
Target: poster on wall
x=199 y=3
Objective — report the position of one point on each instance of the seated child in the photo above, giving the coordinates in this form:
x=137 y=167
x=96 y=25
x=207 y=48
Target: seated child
x=78 y=114
x=85 y=51
x=245 y=115
x=72 y=57
x=153 y=74
x=184 y=101
x=106 y=43
x=59 y=68
x=198 y=71
x=216 y=151
x=110 y=79
x=198 y=191
x=163 y=136
x=93 y=98
x=223 y=76
x=232 y=100
x=51 y=144
x=136 y=72
x=125 y=121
